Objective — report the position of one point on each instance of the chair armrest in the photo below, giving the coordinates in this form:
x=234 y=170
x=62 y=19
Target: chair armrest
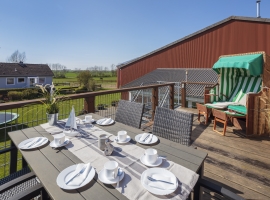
x=219 y=189
x=16 y=181
x=30 y=193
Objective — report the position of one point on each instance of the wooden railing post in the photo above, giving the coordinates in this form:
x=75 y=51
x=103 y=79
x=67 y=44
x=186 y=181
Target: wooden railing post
x=89 y=104
x=154 y=101
x=171 y=96
x=13 y=159
x=183 y=95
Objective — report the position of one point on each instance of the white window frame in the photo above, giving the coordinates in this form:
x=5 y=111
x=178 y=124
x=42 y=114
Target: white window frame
x=21 y=82
x=40 y=78
x=9 y=78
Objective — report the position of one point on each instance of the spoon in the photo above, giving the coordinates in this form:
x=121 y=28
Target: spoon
x=119 y=173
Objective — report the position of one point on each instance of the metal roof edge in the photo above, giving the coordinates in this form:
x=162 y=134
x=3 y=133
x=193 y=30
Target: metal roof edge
x=240 y=18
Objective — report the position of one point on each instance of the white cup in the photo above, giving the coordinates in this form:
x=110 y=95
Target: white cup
x=88 y=118
x=59 y=139
x=151 y=155
x=122 y=135
x=111 y=169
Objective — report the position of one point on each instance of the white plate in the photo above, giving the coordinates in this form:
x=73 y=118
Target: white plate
x=102 y=177
x=123 y=142
x=38 y=144
x=52 y=144
x=154 y=139
x=157 y=163
x=64 y=175
x=91 y=120
x=101 y=120
x=163 y=172
x=71 y=133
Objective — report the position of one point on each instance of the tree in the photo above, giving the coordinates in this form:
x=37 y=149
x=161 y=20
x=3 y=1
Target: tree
x=17 y=57
x=84 y=78
x=58 y=70
x=113 y=70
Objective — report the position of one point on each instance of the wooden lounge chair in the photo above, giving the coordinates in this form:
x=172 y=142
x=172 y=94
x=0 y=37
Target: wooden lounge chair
x=129 y=113
x=173 y=125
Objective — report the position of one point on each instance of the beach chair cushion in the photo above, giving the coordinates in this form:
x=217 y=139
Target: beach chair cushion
x=238 y=108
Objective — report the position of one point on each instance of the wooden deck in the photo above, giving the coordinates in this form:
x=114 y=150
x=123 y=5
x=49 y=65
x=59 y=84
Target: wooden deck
x=238 y=163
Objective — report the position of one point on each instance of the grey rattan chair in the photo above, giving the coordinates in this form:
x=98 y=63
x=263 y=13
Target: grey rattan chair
x=129 y=113
x=22 y=184
x=173 y=125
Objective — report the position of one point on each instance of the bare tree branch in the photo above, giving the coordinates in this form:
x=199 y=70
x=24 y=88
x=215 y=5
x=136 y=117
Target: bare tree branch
x=17 y=57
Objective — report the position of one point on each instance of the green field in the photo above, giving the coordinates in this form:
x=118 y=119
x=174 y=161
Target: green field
x=71 y=77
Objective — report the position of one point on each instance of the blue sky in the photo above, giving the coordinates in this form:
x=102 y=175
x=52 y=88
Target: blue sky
x=85 y=33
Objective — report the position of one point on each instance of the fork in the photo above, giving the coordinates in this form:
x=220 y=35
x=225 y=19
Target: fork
x=152 y=179
x=146 y=138
x=76 y=175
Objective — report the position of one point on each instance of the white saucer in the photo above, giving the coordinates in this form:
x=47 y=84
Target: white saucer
x=102 y=177
x=154 y=139
x=122 y=142
x=155 y=190
x=52 y=144
x=43 y=140
x=71 y=133
x=64 y=175
x=83 y=120
x=157 y=163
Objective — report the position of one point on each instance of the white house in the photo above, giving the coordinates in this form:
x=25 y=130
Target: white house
x=22 y=75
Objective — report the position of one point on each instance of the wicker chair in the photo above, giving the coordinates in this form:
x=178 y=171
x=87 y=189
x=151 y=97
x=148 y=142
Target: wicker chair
x=173 y=125
x=129 y=113
x=22 y=184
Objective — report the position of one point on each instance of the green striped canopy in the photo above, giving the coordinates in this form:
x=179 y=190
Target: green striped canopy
x=252 y=64
x=239 y=75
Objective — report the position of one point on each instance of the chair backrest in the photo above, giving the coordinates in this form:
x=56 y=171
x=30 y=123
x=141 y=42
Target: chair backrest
x=129 y=113
x=173 y=125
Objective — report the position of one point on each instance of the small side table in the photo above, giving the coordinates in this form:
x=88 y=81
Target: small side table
x=223 y=117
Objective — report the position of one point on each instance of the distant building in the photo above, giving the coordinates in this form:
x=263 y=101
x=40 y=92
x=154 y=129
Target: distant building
x=22 y=75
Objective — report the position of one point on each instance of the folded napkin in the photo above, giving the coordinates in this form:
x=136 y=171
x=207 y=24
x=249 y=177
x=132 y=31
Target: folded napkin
x=161 y=185
x=106 y=121
x=29 y=144
x=78 y=180
x=144 y=136
x=39 y=142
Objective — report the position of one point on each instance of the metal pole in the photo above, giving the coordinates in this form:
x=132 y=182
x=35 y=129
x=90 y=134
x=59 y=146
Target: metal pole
x=258 y=8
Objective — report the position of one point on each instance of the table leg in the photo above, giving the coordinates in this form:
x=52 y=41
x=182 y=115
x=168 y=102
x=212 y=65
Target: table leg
x=196 y=189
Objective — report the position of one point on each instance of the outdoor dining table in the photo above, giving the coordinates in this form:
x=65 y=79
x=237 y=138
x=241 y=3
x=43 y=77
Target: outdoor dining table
x=47 y=162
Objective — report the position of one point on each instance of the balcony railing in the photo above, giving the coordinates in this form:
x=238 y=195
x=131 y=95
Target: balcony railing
x=32 y=113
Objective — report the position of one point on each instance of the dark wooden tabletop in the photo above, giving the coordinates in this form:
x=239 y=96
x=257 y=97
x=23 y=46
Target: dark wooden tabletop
x=47 y=163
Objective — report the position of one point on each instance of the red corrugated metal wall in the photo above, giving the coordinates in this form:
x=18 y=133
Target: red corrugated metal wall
x=204 y=49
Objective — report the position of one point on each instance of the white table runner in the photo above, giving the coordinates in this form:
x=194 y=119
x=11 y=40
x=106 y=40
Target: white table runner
x=85 y=147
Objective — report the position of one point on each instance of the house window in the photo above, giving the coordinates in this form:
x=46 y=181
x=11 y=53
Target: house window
x=10 y=81
x=21 y=80
x=41 y=80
